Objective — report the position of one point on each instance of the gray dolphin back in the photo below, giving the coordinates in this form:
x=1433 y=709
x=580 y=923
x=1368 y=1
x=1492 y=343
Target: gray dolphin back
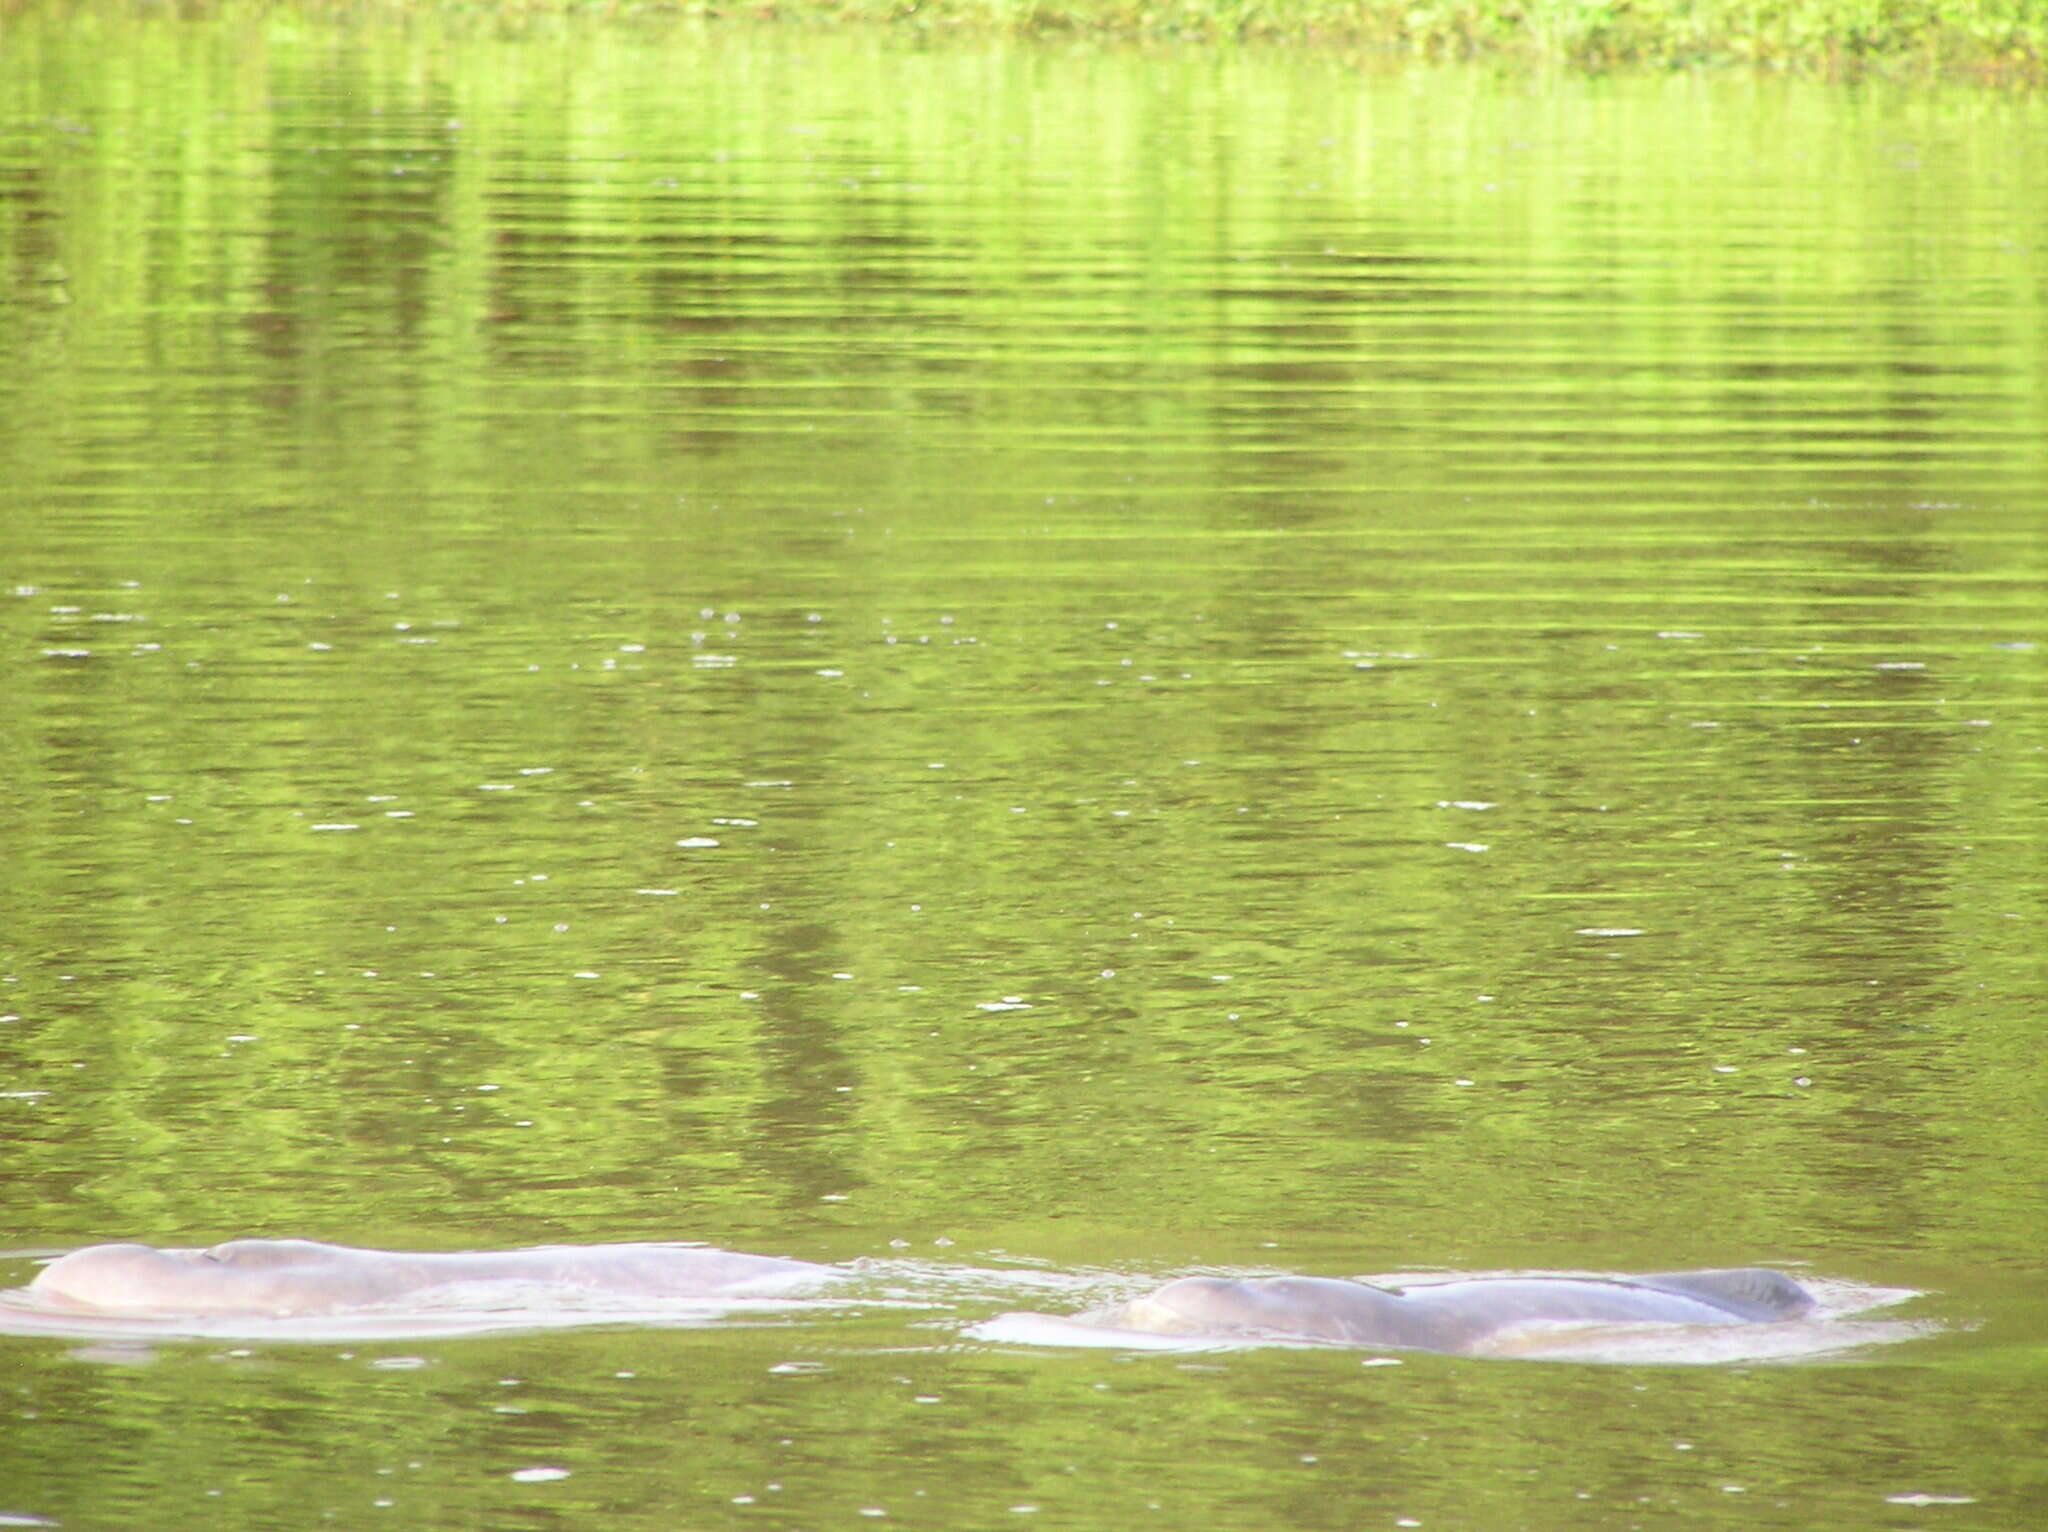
x=1749 y=1292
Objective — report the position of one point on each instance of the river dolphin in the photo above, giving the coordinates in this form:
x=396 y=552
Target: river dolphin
x=266 y=1281
x=290 y=1277
x=1462 y=1317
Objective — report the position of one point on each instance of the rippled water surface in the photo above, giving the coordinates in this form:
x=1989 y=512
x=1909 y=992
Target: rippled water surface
x=1092 y=664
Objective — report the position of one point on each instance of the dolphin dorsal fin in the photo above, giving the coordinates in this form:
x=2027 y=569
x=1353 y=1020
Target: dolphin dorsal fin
x=1750 y=1291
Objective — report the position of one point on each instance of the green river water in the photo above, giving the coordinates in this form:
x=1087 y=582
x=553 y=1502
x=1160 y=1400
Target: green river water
x=1084 y=663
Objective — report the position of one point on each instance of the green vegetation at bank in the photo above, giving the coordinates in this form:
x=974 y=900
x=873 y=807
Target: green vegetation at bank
x=1996 y=38
x=1993 y=40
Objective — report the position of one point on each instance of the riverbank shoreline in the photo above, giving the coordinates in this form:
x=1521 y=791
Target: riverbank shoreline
x=1993 y=42
x=1984 y=40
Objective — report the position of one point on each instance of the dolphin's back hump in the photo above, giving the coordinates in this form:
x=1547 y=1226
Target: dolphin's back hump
x=1750 y=1292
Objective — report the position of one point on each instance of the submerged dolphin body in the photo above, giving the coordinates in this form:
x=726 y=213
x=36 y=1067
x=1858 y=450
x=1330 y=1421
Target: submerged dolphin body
x=290 y=1277
x=1478 y=1315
